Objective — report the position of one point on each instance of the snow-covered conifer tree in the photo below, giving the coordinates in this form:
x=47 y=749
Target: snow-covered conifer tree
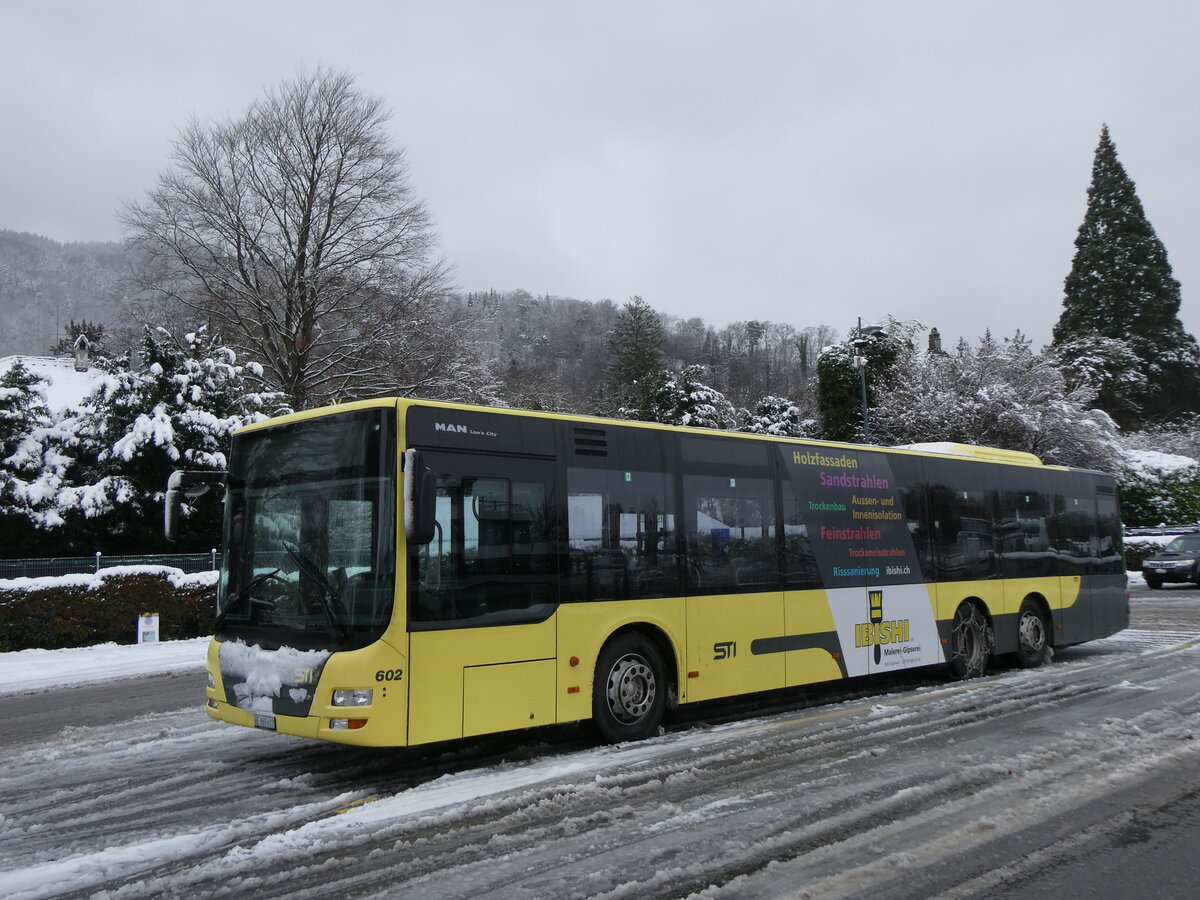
x=24 y=416
x=1121 y=287
x=176 y=410
x=684 y=400
x=636 y=361
x=777 y=416
x=23 y=407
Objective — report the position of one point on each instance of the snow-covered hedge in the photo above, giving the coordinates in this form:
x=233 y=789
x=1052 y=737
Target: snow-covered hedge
x=81 y=610
x=1159 y=488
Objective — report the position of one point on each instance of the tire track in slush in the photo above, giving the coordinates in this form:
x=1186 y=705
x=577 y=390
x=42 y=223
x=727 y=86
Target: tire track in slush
x=755 y=806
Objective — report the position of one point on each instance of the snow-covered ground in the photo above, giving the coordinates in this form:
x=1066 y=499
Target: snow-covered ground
x=65 y=388
x=872 y=789
x=36 y=670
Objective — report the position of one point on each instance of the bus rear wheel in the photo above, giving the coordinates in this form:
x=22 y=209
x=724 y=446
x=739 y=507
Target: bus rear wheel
x=1032 y=635
x=970 y=643
x=629 y=692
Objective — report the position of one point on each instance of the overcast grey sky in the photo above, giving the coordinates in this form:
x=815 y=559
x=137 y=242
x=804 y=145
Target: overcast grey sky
x=801 y=162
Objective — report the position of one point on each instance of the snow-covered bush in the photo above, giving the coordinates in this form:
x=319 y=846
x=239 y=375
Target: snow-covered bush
x=999 y=394
x=1141 y=547
x=779 y=417
x=1159 y=488
x=684 y=400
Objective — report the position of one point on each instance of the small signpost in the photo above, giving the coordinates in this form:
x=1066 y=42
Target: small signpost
x=147 y=628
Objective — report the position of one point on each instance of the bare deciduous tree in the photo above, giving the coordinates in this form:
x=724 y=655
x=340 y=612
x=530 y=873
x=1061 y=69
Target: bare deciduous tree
x=295 y=232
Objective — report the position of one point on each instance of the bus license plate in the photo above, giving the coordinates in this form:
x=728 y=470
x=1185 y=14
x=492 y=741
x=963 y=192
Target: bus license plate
x=267 y=722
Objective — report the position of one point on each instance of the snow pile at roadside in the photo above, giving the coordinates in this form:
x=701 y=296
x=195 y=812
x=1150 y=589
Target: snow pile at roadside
x=27 y=671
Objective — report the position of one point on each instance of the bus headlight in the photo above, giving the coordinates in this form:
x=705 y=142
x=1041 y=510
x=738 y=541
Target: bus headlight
x=356 y=697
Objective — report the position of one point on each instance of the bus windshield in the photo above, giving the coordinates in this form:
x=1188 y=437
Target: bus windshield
x=310 y=533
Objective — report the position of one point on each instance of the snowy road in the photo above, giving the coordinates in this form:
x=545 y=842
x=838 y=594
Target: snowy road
x=984 y=788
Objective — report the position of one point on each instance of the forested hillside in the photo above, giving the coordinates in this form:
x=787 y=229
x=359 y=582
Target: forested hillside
x=513 y=347
x=45 y=285
x=554 y=352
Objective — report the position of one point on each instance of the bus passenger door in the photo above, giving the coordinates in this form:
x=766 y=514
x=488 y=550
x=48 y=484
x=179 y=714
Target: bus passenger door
x=482 y=595
x=734 y=595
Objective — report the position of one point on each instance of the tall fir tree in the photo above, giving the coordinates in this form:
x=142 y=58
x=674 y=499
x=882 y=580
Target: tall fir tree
x=24 y=413
x=1121 y=287
x=635 y=371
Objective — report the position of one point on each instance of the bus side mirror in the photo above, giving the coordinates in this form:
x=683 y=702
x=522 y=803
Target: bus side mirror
x=184 y=484
x=420 y=499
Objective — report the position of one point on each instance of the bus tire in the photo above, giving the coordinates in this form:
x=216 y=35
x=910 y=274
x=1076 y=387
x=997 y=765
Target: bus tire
x=629 y=692
x=970 y=643
x=1033 y=635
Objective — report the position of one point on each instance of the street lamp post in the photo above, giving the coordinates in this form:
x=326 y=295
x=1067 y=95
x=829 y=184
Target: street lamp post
x=864 y=334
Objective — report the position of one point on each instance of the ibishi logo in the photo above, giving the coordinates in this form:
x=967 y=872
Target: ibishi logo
x=879 y=631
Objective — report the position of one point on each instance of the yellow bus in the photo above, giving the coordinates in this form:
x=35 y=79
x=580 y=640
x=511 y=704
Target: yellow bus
x=397 y=572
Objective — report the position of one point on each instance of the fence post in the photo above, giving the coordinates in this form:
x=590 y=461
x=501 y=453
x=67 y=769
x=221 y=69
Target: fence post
x=214 y=559
x=97 y=560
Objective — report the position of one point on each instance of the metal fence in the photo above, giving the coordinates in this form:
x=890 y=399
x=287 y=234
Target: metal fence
x=71 y=565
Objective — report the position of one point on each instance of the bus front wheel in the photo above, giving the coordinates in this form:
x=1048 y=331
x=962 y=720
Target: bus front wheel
x=629 y=692
x=970 y=643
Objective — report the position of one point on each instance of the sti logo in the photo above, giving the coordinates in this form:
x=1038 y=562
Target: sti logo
x=445 y=426
x=724 y=649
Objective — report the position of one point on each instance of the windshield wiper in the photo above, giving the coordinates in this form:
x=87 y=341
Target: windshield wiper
x=331 y=601
x=240 y=596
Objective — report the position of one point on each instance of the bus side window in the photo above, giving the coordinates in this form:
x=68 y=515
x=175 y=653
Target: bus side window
x=728 y=497
x=799 y=562
x=1109 y=558
x=1024 y=539
x=730 y=534
x=621 y=531
x=913 y=491
x=1073 y=525
x=963 y=518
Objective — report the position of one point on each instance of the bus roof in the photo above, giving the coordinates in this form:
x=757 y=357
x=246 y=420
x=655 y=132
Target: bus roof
x=949 y=448
x=989 y=454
